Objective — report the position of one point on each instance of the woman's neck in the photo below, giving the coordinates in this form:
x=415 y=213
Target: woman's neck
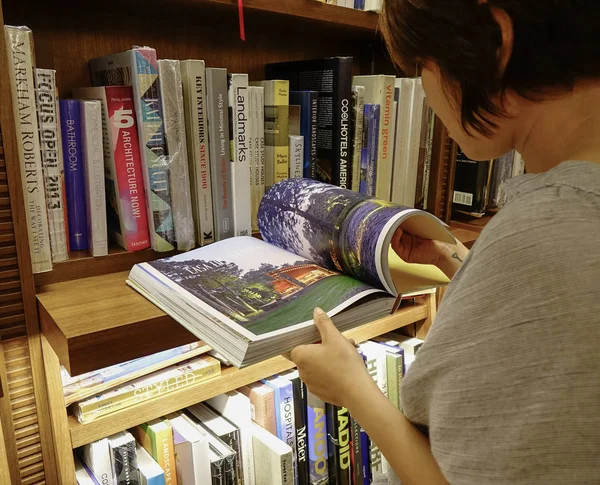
x=561 y=128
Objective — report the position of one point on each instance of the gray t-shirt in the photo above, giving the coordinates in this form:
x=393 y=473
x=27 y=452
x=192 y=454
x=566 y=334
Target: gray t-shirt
x=507 y=384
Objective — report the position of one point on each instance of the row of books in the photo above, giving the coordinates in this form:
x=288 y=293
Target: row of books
x=371 y=5
x=270 y=432
x=172 y=154
x=478 y=185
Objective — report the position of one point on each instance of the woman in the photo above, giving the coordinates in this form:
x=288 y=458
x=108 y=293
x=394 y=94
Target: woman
x=506 y=388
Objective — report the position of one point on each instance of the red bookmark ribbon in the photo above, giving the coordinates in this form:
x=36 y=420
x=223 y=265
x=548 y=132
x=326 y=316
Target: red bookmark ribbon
x=241 y=16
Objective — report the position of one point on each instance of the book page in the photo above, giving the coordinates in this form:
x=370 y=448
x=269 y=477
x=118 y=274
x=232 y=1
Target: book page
x=341 y=230
x=256 y=288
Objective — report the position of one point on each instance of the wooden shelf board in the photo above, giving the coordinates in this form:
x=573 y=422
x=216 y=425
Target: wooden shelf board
x=82 y=265
x=230 y=378
x=96 y=322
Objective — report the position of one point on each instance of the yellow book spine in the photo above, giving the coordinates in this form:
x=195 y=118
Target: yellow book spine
x=88 y=411
x=281 y=95
x=163 y=451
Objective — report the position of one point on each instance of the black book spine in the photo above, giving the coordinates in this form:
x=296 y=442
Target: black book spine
x=338 y=433
x=313 y=134
x=300 y=420
x=357 y=476
x=342 y=134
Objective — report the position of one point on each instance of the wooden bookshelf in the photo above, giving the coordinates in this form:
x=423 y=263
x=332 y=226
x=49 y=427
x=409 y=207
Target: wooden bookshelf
x=83 y=318
x=230 y=378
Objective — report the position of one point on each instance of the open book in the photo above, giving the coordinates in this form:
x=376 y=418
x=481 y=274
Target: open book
x=324 y=246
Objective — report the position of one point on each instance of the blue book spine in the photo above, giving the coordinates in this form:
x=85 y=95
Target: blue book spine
x=317 y=440
x=365 y=446
x=359 y=4
x=307 y=100
x=284 y=415
x=70 y=124
x=371 y=142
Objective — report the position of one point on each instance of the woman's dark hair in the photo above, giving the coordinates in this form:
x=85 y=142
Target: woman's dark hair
x=555 y=45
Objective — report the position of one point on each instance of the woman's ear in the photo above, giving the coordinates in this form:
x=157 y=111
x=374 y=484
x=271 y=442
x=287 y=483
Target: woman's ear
x=508 y=37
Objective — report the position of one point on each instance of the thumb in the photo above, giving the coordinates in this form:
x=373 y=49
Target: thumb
x=324 y=325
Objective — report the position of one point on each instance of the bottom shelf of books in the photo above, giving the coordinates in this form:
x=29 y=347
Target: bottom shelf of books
x=205 y=381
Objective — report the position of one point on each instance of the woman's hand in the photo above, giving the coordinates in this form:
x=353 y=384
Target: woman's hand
x=333 y=370
x=413 y=249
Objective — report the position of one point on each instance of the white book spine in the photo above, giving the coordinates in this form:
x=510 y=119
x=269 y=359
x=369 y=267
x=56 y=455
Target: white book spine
x=52 y=161
x=97 y=457
x=260 y=104
x=296 y=156
x=194 y=94
x=414 y=136
x=273 y=459
x=91 y=129
x=252 y=153
x=358 y=95
x=177 y=157
x=428 y=156
x=21 y=61
x=238 y=98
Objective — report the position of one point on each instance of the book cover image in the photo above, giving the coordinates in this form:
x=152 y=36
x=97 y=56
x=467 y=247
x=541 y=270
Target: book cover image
x=338 y=229
x=234 y=279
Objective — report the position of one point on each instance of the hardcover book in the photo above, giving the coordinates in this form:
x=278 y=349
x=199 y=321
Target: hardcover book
x=74 y=174
x=358 y=113
x=379 y=90
x=332 y=79
x=156 y=437
x=193 y=74
x=93 y=165
x=260 y=154
x=237 y=408
x=276 y=130
x=296 y=156
x=171 y=93
x=124 y=458
x=218 y=123
x=262 y=398
x=403 y=93
x=300 y=423
x=145 y=388
x=150 y=471
x=52 y=161
x=338 y=446
x=239 y=148
x=97 y=457
x=307 y=100
x=138 y=68
x=370 y=147
x=321 y=245
x=83 y=474
x=272 y=458
x=425 y=153
x=21 y=61
x=317 y=440
x=127 y=218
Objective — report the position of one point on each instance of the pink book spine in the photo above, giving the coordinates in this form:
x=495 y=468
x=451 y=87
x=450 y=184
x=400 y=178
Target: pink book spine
x=128 y=166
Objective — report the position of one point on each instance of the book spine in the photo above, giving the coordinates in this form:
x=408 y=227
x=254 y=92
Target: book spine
x=356 y=453
x=74 y=174
x=296 y=156
x=252 y=159
x=420 y=195
x=194 y=94
x=171 y=91
x=394 y=377
x=343 y=446
x=300 y=422
x=365 y=446
x=342 y=129
x=19 y=42
x=428 y=156
x=163 y=451
x=47 y=102
x=310 y=148
x=386 y=140
x=281 y=147
x=217 y=470
x=218 y=121
x=358 y=113
x=97 y=457
x=317 y=440
x=286 y=430
x=376 y=366
x=124 y=459
x=101 y=405
x=371 y=143
x=239 y=140
x=125 y=165
x=93 y=164
x=260 y=105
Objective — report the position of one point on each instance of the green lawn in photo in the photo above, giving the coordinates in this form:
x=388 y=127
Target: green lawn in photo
x=326 y=294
